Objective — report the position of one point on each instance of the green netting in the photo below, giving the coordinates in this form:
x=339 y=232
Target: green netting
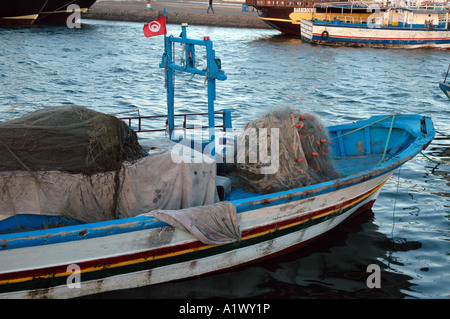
x=67 y=138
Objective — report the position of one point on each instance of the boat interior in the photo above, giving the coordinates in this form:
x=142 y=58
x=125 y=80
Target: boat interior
x=356 y=148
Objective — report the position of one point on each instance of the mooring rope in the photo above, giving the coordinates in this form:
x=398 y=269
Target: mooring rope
x=370 y=124
x=387 y=141
x=363 y=127
x=432 y=159
x=395 y=203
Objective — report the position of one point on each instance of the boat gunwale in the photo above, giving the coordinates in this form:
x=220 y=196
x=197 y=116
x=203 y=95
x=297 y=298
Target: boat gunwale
x=138 y=223
x=445 y=84
x=330 y=24
x=128 y=263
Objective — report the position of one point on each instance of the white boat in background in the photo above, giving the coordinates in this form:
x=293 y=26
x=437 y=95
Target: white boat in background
x=359 y=24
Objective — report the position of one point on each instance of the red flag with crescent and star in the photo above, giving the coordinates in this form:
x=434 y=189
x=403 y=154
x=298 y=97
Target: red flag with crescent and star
x=156 y=27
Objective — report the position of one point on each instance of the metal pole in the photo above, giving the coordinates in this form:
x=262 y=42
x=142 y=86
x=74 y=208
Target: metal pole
x=211 y=97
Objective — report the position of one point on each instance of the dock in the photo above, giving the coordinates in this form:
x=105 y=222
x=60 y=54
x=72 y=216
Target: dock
x=226 y=14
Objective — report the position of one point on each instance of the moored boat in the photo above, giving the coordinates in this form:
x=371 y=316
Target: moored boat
x=444 y=85
x=20 y=12
x=284 y=16
x=78 y=258
x=393 y=27
x=58 y=11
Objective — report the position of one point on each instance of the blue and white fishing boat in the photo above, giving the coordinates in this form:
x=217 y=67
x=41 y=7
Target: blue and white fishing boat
x=356 y=24
x=58 y=257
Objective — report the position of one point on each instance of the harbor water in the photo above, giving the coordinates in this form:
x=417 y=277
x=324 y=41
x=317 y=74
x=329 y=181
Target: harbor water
x=111 y=67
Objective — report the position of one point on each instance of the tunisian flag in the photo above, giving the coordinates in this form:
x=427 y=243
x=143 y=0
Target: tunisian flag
x=156 y=27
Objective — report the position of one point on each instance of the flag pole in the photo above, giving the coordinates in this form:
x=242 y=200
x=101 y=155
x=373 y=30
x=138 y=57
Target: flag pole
x=165 y=42
x=164 y=13
x=169 y=81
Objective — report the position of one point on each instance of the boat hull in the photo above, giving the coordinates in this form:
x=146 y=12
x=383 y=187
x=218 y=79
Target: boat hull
x=279 y=19
x=127 y=261
x=85 y=259
x=445 y=87
x=342 y=35
x=284 y=16
x=57 y=12
x=20 y=12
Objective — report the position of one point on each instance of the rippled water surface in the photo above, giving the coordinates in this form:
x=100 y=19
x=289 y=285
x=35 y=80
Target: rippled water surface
x=111 y=67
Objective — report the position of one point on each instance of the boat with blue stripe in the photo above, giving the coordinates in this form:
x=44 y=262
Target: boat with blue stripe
x=50 y=256
x=357 y=24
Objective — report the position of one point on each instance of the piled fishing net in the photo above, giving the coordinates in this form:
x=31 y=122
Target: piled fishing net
x=303 y=152
x=78 y=163
x=67 y=138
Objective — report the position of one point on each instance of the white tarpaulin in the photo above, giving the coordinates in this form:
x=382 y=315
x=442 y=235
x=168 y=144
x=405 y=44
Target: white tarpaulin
x=150 y=183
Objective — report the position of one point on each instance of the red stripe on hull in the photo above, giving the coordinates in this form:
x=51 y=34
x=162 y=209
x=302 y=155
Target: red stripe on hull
x=380 y=38
x=360 y=210
x=151 y=254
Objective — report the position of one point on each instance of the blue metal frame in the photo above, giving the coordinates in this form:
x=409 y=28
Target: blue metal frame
x=212 y=72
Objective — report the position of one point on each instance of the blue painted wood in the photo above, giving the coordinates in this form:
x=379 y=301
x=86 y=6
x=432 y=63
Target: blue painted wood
x=445 y=87
x=28 y=222
x=227 y=121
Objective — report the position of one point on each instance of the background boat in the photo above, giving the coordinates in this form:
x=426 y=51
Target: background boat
x=394 y=27
x=444 y=86
x=284 y=16
x=20 y=11
x=55 y=11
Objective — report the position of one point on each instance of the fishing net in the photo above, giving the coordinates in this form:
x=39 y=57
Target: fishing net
x=67 y=138
x=75 y=162
x=301 y=158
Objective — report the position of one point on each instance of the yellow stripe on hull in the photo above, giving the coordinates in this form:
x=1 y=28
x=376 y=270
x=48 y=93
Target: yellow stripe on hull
x=275 y=19
x=297 y=16
x=189 y=250
x=25 y=17
x=294 y=17
x=82 y=10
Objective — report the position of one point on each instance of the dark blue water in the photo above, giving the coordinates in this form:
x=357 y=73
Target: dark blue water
x=112 y=67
